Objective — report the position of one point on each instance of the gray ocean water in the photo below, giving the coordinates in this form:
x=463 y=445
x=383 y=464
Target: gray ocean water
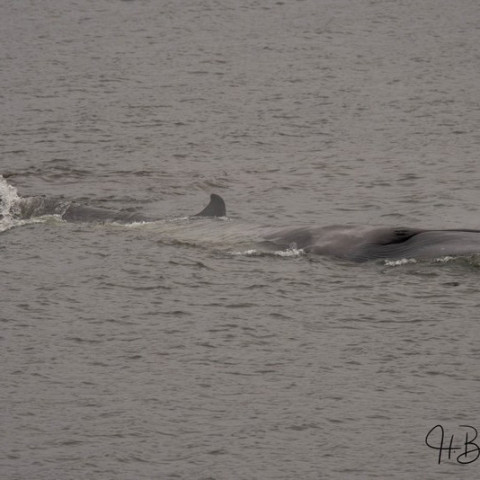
x=171 y=350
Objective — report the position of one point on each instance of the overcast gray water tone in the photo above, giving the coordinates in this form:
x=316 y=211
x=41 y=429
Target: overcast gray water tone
x=179 y=349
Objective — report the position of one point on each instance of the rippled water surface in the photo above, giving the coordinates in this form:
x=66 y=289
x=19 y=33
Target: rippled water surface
x=177 y=350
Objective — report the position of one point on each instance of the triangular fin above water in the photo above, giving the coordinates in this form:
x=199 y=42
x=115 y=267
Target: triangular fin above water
x=216 y=207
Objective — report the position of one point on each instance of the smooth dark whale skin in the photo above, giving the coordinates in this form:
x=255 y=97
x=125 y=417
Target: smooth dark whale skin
x=363 y=243
x=81 y=213
x=73 y=212
x=355 y=243
x=216 y=207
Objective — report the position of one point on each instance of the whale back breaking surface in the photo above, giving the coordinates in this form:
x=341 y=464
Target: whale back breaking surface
x=355 y=243
x=351 y=241
x=81 y=213
x=360 y=243
x=426 y=244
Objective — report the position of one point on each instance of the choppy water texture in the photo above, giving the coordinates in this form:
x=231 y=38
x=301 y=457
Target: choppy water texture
x=164 y=351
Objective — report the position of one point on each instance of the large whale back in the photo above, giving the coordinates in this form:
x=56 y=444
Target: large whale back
x=424 y=245
x=350 y=241
x=362 y=243
x=31 y=207
x=356 y=243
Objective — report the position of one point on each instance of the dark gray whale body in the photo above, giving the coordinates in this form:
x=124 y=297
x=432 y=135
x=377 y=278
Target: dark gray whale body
x=79 y=213
x=363 y=243
x=73 y=212
x=216 y=207
x=355 y=243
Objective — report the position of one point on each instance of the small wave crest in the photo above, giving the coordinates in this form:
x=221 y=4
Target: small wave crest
x=248 y=253
x=289 y=252
x=445 y=259
x=469 y=260
x=472 y=260
x=406 y=261
x=397 y=263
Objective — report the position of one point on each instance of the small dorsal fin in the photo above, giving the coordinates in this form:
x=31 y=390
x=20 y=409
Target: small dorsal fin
x=216 y=207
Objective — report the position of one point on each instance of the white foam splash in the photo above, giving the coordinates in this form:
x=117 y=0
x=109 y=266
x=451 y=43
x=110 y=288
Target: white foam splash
x=445 y=259
x=137 y=224
x=290 y=252
x=8 y=200
x=402 y=261
x=246 y=253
